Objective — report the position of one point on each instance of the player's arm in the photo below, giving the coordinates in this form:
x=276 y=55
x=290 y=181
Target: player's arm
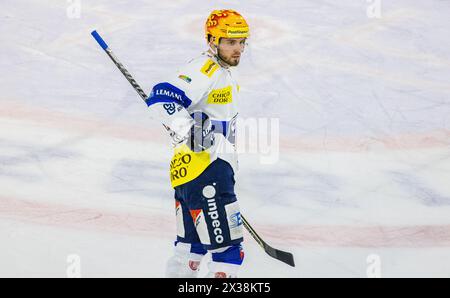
x=168 y=103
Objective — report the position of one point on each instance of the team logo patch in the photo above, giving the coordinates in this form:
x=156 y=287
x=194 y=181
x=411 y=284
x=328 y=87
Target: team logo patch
x=170 y=108
x=221 y=96
x=235 y=220
x=185 y=78
x=209 y=68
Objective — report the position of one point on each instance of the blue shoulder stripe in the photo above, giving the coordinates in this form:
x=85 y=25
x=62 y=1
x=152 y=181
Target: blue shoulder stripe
x=166 y=92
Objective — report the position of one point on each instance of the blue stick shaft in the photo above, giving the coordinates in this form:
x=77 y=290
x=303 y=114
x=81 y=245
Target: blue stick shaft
x=119 y=65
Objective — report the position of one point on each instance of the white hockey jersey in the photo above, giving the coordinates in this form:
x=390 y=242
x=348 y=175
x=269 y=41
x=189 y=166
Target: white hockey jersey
x=201 y=85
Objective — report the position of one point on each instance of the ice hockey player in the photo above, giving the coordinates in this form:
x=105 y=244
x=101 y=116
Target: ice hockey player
x=198 y=107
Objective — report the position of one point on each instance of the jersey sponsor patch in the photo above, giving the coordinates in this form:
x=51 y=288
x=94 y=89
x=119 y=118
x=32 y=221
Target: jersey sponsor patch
x=185 y=78
x=209 y=68
x=168 y=93
x=221 y=96
x=234 y=220
x=187 y=165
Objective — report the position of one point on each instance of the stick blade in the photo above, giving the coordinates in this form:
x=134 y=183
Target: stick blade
x=283 y=256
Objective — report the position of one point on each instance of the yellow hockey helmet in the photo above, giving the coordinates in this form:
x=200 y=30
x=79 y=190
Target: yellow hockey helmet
x=226 y=23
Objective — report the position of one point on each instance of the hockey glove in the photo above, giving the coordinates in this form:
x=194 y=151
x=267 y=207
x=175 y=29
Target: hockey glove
x=201 y=136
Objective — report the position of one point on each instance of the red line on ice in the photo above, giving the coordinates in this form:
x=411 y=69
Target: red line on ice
x=106 y=128
x=163 y=225
x=64 y=216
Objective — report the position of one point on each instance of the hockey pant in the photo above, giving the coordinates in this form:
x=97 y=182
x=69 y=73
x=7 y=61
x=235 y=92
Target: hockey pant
x=208 y=219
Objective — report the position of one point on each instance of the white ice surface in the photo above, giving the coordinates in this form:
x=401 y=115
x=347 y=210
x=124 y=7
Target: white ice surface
x=364 y=111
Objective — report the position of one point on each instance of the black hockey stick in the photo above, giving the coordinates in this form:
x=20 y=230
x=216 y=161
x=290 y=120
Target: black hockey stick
x=280 y=255
x=122 y=68
x=283 y=256
x=119 y=65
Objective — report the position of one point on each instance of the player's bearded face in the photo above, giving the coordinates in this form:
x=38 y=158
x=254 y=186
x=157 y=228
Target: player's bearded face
x=230 y=50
